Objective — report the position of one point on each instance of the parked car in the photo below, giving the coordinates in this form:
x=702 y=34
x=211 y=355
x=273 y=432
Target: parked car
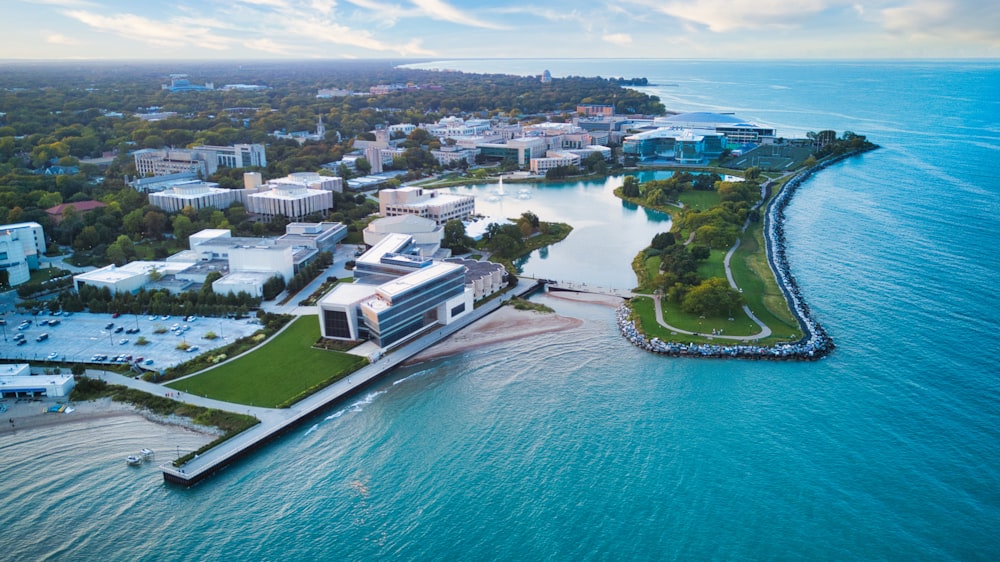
x=42 y=337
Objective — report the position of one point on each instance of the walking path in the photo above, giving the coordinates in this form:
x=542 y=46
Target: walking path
x=765 y=330
x=276 y=421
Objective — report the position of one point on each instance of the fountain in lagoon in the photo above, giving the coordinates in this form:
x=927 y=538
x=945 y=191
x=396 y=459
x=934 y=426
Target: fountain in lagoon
x=498 y=193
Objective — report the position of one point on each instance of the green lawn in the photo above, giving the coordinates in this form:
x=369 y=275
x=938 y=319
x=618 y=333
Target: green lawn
x=741 y=325
x=765 y=299
x=701 y=200
x=713 y=266
x=46 y=273
x=283 y=369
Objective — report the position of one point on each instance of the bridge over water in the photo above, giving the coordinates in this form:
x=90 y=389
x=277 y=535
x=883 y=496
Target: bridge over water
x=577 y=287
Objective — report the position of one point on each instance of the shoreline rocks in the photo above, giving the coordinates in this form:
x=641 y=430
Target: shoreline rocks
x=814 y=345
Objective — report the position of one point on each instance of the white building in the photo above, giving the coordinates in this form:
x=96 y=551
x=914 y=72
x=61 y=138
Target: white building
x=196 y=193
x=403 y=295
x=21 y=246
x=12 y=259
x=438 y=206
x=322 y=236
x=128 y=278
x=16 y=381
x=423 y=231
x=448 y=154
x=203 y=160
x=295 y=196
x=555 y=159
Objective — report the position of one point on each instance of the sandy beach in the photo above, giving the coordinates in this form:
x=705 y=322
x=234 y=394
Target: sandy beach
x=509 y=323
x=506 y=324
x=25 y=416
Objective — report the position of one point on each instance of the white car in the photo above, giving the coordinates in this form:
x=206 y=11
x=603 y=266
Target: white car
x=52 y=356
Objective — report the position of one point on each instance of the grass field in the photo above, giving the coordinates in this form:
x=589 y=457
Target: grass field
x=284 y=368
x=700 y=200
x=713 y=266
x=643 y=307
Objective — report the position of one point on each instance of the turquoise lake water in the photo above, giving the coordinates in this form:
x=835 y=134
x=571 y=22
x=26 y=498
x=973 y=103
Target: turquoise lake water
x=578 y=446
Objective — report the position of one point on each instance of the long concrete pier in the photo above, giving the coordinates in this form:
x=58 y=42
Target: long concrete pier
x=277 y=421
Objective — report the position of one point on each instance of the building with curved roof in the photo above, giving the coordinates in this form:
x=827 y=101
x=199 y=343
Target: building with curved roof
x=737 y=130
x=693 y=137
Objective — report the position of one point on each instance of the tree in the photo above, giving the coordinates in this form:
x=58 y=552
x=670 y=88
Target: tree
x=455 y=237
x=662 y=240
x=712 y=297
x=183 y=228
x=700 y=251
x=154 y=223
x=273 y=287
x=87 y=239
x=631 y=187
x=121 y=251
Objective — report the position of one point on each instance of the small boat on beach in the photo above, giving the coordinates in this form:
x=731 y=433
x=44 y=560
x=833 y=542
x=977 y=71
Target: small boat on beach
x=133 y=460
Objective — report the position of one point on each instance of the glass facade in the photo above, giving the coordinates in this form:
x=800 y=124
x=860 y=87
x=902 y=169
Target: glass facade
x=336 y=325
x=414 y=308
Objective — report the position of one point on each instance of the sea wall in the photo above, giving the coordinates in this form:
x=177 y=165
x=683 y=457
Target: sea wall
x=816 y=343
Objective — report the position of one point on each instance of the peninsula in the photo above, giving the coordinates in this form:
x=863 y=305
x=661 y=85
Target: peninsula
x=208 y=239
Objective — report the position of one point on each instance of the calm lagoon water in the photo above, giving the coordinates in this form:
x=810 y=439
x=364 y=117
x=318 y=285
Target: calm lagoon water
x=577 y=446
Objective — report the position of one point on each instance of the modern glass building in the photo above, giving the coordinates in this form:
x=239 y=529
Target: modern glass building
x=402 y=307
x=395 y=296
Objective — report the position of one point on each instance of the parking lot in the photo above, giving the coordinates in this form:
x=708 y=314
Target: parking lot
x=85 y=338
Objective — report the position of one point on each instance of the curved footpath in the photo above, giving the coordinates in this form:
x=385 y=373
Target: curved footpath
x=816 y=343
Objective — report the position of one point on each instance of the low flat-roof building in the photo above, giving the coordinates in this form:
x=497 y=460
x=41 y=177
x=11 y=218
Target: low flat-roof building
x=555 y=159
x=435 y=205
x=322 y=236
x=424 y=231
x=127 y=278
x=295 y=196
x=196 y=194
x=16 y=381
x=205 y=160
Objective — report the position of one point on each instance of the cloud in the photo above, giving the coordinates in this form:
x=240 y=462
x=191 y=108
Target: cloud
x=271 y=3
x=60 y=39
x=269 y=46
x=324 y=7
x=621 y=39
x=439 y=10
x=158 y=33
x=727 y=15
x=954 y=20
x=62 y=3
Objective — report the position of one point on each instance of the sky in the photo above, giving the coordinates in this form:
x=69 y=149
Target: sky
x=445 y=29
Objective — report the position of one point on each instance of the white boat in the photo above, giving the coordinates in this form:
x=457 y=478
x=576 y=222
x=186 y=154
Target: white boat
x=133 y=460
x=146 y=454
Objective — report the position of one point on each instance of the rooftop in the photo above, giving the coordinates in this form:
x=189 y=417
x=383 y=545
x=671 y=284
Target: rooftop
x=405 y=283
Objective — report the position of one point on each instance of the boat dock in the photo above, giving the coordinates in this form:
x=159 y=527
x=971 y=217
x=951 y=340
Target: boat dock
x=275 y=422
